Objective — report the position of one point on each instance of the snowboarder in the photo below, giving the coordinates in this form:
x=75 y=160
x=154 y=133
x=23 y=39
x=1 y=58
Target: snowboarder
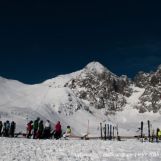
x=1 y=125
x=47 y=130
x=57 y=131
x=12 y=128
x=40 y=130
x=68 y=132
x=29 y=129
x=35 y=127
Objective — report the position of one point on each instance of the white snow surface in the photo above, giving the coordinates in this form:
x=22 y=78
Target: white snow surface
x=77 y=150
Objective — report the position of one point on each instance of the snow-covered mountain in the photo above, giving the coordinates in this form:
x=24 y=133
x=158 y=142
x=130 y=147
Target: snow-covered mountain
x=91 y=95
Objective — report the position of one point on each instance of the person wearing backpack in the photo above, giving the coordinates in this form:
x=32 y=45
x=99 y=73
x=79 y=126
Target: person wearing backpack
x=7 y=128
x=12 y=128
x=29 y=129
x=57 y=131
x=40 y=130
x=35 y=127
x=4 y=129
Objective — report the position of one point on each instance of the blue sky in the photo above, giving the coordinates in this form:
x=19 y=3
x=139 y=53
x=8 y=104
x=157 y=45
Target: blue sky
x=42 y=39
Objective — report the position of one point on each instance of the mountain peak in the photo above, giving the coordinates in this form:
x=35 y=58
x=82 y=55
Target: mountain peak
x=96 y=67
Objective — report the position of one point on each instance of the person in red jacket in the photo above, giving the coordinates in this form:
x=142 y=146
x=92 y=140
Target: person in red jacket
x=29 y=129
x=57 y=131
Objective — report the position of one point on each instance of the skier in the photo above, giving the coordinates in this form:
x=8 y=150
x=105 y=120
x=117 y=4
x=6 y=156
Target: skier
x=29 y=129
x=35 y=127
x=1 y=125
x=68 y=132
x=12 y=128
x=47 y=130
x=57 y=131
x=40 y=130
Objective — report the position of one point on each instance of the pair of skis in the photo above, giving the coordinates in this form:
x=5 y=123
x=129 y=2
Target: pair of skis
x=149 y=131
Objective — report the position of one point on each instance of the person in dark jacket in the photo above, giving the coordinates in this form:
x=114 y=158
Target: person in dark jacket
x=57 y=130
x=12 y=128
x=29 y=129
x=1 y=126
x=35 y=127
x=40 y=130
x=7 y=128
x=4 y=129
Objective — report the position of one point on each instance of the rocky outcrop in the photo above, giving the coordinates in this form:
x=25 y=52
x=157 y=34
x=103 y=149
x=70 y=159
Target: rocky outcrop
x=151 y=98
x=101 y=88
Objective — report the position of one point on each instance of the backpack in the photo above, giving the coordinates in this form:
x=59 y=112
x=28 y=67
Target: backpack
x=35 y=124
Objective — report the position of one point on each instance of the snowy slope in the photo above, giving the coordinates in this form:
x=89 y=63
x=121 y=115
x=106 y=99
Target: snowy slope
x=29 y=102
x=55 y=100
x=49 y=100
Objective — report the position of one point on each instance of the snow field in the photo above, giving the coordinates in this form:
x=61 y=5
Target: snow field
x=77 y=150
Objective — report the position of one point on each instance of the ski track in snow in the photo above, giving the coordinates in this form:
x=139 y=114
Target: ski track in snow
x=77 y=150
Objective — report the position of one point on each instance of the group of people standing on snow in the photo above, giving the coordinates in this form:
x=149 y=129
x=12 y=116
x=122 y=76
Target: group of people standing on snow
x=7 y=129
x=36 y=129
x=40 y=130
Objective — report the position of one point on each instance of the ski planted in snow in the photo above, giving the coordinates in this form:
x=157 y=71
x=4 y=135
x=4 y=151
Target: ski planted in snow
x=149 y=130
x=101 y=130
x=141 y=129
